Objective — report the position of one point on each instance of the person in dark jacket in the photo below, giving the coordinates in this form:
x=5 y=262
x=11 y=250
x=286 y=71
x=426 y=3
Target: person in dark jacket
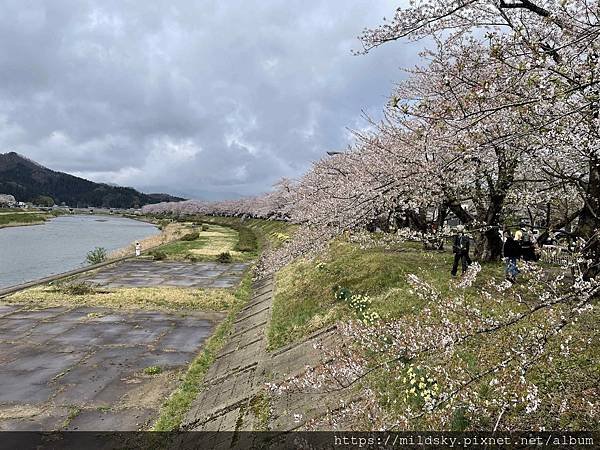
x=460 y=248
x=512 y=252
x=527 y=246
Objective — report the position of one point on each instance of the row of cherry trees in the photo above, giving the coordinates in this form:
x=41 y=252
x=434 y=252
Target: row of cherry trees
x=500 y=120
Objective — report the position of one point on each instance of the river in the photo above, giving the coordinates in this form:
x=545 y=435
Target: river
x=61 y=244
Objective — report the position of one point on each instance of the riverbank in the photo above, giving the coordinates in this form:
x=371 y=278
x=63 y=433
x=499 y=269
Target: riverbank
x=168 y=233
x=19 y=219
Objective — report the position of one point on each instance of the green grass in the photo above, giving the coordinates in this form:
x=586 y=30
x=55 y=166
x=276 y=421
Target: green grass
x=304 y=299
x=206 y=245
x=73 y=412
x=11 y=217
x=268 y=233
x=11 y=210
x=305 y=302
x=14 y=219
x=247 y=240
x=174 y=409
x=243 y=240
x=260 y=407
x=179 y=249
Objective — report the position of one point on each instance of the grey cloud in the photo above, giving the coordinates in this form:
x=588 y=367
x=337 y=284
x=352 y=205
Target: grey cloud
x=198 y=98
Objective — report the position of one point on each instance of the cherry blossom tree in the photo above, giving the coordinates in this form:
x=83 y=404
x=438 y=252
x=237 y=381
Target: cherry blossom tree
x=549 y=47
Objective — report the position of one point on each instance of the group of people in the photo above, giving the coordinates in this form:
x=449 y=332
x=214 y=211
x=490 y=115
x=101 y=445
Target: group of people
x=520 y=245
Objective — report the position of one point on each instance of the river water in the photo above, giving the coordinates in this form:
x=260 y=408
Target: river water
x=61 y=244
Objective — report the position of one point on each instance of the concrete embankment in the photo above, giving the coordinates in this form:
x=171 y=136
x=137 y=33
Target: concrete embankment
x=235 y=396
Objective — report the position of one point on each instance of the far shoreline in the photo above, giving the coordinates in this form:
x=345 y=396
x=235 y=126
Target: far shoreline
x=19 y=224
x=42 y=222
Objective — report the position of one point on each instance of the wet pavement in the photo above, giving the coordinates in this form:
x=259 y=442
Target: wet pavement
x=146 y=273
x=83 y=368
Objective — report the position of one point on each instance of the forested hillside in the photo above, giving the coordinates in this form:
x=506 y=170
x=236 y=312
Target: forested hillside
x=28 y=181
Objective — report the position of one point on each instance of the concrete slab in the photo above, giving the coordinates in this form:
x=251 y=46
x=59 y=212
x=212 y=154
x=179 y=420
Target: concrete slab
x=50 y=329
x=42 y=422
x=101 y=420
x=166 y=359
x=92 y=359
x=36 y=314
x=27 y=387
x=12 y=329
x=185 y=339
x=6 y=309
x=144 y=273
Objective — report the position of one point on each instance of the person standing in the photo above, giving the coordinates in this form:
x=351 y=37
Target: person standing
x=138 y=248
x=460 y=248
x=512 y=252
x=527 y=246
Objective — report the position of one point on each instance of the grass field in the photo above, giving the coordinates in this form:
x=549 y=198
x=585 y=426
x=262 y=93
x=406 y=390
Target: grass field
x=242 y=240
x=255 y=234
x=207 y=246
x=305 y=301
x=22 y=218
x=166 y=298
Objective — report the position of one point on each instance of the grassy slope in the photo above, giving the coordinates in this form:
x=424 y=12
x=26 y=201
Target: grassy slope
x=243 y=240
x=254 y=235
x=305 y=302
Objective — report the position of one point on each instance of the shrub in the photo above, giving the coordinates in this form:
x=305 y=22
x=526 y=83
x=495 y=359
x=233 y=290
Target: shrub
x=204 y=227
x=190 y=236
x=152 y=370
x=97 y=255
x=342 y=293
x=191 y=257
x=224 y=257
x=158 y=255
x=79 y=288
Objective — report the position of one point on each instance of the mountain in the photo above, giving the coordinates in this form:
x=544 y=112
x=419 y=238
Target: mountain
x=29 y=181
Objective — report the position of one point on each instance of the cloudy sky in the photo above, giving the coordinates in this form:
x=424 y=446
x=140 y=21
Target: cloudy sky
x=200 y=98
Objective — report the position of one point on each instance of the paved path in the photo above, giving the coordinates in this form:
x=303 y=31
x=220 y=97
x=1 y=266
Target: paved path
x=146 y=273
x=83 y=368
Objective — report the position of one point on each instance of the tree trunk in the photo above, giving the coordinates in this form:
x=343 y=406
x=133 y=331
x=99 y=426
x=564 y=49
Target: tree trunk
x=588 y=225
x=488 y=245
